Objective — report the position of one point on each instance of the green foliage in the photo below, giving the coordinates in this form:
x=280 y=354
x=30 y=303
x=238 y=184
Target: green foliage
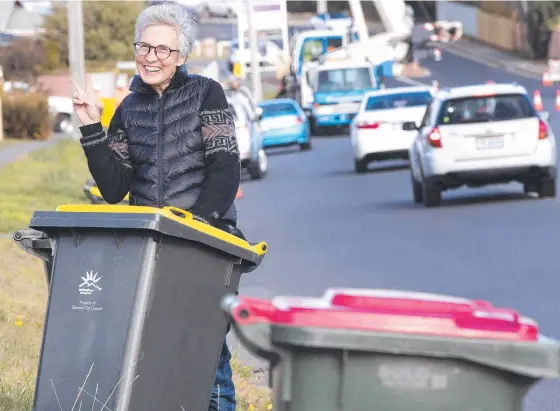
x=108 y=32
x=26 y=116
x=540 y=17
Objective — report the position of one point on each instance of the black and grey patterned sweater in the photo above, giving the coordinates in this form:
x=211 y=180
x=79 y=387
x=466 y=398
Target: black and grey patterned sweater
x=178 y=149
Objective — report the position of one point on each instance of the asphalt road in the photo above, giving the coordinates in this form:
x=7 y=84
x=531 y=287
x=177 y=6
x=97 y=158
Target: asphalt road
x=328 y=227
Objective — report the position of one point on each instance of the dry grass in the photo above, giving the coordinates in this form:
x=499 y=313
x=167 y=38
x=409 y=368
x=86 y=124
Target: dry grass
x=8 y=141
x=44 y=180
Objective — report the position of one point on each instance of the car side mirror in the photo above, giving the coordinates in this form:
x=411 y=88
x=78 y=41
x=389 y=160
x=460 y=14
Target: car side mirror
x=410 y=125
x=258 y=114
x=545 y=115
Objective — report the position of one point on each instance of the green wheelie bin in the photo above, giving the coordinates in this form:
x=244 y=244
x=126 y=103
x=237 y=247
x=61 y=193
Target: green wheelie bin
x=384 y=350
x=133 y=319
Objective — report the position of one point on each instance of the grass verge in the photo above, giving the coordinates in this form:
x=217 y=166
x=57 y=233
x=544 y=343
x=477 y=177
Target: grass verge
x=5 y=142
x=43 y=180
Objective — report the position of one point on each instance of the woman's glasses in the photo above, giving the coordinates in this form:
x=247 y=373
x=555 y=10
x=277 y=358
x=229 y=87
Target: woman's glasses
x=143 y=49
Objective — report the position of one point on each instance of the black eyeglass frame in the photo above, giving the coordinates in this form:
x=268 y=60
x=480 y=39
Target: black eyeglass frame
x=150 y=47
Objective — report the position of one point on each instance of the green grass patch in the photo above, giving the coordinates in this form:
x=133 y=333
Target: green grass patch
x=42 y=180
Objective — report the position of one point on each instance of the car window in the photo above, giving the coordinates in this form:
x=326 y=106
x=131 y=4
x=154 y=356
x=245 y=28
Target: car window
x=400 y=100
x=278 y=109
x=334 y=43
x=312 y=48
x=482 y=109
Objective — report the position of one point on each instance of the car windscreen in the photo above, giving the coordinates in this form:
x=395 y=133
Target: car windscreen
x=399 y=100
x=278 y=109
x=346 y=79
x=482 y=109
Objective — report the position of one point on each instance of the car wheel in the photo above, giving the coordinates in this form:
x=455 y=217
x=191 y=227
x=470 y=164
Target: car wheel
x=547 y=187
x=307 y=145
x=258 y=168
x=431 y=195
x=416 y=190
x=531 y=187
x=315 y=129
x=63 y=123
x=360 y=166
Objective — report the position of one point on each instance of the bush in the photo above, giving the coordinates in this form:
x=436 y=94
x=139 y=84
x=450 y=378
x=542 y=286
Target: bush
x=26 y=116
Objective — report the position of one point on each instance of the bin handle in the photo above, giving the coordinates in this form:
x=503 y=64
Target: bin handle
x=177 y=212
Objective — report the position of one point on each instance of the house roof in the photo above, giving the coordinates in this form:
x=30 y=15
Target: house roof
x=16 y=19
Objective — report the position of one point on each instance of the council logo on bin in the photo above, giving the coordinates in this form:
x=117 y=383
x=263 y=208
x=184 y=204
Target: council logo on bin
x=89 y=284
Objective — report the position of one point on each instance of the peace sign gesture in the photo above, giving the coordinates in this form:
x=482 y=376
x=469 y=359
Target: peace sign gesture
x=85 y=103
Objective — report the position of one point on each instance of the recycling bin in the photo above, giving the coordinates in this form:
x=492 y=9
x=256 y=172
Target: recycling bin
x=133 y=319
x=383 y=350
x=93 y=194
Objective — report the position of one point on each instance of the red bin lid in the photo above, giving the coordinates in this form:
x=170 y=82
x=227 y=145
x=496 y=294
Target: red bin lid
x=391 y=311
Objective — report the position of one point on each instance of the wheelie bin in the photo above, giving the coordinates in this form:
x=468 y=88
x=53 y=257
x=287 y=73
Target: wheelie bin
x=133 y=319
x=383 y=350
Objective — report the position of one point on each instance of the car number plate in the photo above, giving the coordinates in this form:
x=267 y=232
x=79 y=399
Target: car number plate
x=489 y=143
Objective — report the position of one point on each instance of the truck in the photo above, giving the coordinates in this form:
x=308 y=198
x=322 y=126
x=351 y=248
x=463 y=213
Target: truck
x=338 y=88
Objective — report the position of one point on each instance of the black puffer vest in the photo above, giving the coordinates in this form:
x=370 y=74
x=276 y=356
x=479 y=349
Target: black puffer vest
x=165 y=142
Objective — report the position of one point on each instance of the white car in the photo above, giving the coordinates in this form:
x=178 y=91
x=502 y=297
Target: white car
x=249 y=134
x=377 y=133
x=218 y=8
x=331 y=21
x=479 y=135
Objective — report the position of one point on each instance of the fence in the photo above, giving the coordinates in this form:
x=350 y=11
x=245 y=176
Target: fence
x=506 y=33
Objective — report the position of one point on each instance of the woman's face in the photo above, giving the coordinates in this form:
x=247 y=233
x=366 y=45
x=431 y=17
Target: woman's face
x=158 y=66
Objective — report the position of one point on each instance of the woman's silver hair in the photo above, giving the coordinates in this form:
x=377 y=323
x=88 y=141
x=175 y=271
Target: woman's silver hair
x=171 y=14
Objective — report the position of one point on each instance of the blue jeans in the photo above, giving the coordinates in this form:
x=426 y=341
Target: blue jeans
x=223 y=392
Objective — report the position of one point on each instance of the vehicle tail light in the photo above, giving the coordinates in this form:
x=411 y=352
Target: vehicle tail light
x=316 y=105
x=434 y=138
x=299 y=120
x=368 y=125
x=543 y=130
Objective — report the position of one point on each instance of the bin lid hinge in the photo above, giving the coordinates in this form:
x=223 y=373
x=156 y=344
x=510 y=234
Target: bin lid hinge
x=36 y=243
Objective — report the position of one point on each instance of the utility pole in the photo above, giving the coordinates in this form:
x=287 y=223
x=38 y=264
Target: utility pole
x=76 y=54
x=322 y=6
x=255 y=67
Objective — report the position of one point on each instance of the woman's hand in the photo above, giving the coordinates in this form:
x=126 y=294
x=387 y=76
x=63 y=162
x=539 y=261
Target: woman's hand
x=85 y=103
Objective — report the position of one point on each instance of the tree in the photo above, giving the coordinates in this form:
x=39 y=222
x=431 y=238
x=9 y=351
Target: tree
x=21 y=60
x=108 y=32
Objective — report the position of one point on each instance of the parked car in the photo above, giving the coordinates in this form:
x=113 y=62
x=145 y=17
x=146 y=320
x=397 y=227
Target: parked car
x=284 y=123
x=218 y=8
x=247 y=117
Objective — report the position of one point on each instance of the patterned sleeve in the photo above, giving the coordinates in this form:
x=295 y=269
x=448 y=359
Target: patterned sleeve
x=107 y=157
x=221 y=156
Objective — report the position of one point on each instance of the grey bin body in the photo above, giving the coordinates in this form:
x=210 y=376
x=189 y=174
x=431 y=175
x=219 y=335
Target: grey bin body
x=133 y=320
x=335 y=369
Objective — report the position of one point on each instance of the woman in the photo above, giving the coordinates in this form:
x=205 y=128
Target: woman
x=170 y=142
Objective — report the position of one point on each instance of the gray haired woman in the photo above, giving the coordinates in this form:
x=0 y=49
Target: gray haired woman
x=171 y=141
